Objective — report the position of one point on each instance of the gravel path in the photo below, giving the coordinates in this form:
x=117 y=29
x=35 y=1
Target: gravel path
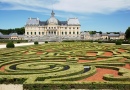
x=11 y=87
x=20 y=44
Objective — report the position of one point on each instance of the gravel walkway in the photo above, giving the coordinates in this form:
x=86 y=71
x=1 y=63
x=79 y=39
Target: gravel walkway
x=11 y=87
x=20 y=44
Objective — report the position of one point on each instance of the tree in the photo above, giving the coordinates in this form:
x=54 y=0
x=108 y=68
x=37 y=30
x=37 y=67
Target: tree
x=100 y=32
x=127 y=33
x=92 y=32
x=16 y=30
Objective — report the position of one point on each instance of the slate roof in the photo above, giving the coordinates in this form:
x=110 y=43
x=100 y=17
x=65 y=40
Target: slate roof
x=13 y=34
x=63 y=22
x=1 y=34
x=73 y=21
x=104 y=34
x=5 y=36
x=42 y=23
x=32 y=21
x=36 y=21
x=121 y=33
x=113 y=35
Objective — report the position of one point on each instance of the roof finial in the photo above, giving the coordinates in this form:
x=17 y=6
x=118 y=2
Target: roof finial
x=52 y=13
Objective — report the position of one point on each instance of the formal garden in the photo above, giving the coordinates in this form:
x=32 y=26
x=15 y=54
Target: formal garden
x=66 y=65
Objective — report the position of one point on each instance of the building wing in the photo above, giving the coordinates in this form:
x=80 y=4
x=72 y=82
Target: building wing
x=73 y=21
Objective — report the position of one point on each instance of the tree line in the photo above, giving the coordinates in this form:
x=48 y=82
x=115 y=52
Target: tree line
x=16 y=30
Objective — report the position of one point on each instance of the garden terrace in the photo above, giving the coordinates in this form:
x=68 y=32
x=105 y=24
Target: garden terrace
x=67 y=65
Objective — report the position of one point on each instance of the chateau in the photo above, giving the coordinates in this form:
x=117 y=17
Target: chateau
x=52 y=29
x=56 y=30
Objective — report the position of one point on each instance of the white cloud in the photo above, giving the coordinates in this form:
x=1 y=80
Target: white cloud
x=77 y=6
x=92 y=6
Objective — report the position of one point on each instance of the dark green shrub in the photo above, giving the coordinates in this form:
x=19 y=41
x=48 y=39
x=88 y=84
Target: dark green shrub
x=18 y=41
x=46 y=41
x=10 y=45
x=99 y=41
x=36 y=42
x=118 y=42
x=91 y=41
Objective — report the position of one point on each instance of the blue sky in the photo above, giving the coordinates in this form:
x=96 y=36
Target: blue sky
x=99 y=15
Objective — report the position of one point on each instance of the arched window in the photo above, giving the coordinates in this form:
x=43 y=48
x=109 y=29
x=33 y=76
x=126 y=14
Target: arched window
x=39 y=33
x=27 y=33
x=31 y=33
x=35 y=33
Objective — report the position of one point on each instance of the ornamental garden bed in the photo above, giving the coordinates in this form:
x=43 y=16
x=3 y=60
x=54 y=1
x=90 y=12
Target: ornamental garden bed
x=73 y=65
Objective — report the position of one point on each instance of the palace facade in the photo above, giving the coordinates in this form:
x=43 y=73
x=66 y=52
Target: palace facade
x=52 y=29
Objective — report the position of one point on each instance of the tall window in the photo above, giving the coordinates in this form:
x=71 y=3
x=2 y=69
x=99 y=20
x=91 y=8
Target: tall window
x=69 y=32
x=77 y=32
x=27 y=33
x=39 y=33
x=31 y=33
x=42 y=33
x=73 y=32
x=65 y=33
x=62 y=33
x=77 y=27
x=35 y=33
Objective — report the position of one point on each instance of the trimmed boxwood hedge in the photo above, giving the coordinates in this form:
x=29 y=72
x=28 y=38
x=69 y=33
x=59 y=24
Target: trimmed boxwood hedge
x=10 y=45
x=118 y=42
x=36 y=42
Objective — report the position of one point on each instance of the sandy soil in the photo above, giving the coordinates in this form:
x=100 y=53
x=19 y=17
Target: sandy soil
x=108 y=54
x=49 y=50
x=83 y=61
x=100 y=58
x=39 y=53
x=99 y=75
x=11 y=87
x=2 y=68
x=91 y=53
x=121 y=50
x=127 y=66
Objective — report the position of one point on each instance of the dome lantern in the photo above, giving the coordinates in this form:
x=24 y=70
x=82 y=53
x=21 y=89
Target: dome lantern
x=52 y=20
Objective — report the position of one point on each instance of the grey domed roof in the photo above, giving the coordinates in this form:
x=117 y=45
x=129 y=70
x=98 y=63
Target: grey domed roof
x=52 y=19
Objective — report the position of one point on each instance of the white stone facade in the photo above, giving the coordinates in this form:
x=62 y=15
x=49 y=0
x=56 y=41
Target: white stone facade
x=52 y=29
